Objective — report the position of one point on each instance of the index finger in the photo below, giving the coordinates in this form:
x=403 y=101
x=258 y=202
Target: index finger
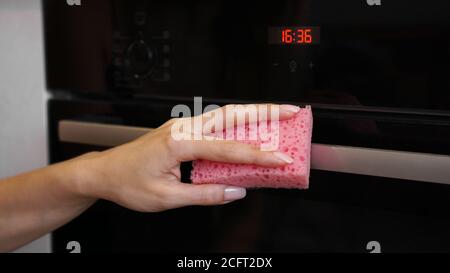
x=233 y=115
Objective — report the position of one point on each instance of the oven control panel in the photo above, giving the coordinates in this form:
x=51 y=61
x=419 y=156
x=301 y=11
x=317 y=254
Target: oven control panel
x=140 y=58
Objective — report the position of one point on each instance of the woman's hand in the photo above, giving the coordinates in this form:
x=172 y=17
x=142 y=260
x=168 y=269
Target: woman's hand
x=144 y=175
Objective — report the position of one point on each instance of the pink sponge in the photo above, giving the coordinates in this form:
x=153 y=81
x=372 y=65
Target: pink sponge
x=294 y=140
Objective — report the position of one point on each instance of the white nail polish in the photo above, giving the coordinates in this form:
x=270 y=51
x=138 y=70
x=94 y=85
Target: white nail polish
x=284 y=157
x=290 y=108
x=234 y=193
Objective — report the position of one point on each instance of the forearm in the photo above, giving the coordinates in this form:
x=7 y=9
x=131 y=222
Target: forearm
x=38 y=202
x=143 y=175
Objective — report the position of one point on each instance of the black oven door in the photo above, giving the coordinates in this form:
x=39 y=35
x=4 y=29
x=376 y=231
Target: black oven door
x=392 y=55
x=374 y=188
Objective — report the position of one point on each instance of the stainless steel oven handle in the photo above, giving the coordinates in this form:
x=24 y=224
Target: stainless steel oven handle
x=98 y=134
x=354 y=160
x=385 y=163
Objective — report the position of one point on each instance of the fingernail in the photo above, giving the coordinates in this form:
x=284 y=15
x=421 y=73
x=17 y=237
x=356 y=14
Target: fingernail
x=289 y=108
x=284 y=157
x=234 y=193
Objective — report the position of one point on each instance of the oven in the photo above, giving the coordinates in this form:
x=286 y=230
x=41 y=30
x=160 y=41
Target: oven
x=375 y=72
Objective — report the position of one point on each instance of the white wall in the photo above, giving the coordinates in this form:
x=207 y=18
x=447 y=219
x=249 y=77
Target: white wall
x=23 y=140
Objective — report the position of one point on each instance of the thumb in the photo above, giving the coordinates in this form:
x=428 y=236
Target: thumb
x=205 y=195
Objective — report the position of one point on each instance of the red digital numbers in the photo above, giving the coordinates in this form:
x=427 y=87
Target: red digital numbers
x=286 y=36
x=296 y=36
x=304 y=36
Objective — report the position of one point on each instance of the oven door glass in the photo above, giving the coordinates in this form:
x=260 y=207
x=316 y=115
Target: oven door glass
x=391 y=55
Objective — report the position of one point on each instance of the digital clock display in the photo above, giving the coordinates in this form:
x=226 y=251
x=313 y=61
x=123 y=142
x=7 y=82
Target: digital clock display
x=294 y=35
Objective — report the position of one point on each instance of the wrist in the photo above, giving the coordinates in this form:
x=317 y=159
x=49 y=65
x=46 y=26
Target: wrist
x=84 y=180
